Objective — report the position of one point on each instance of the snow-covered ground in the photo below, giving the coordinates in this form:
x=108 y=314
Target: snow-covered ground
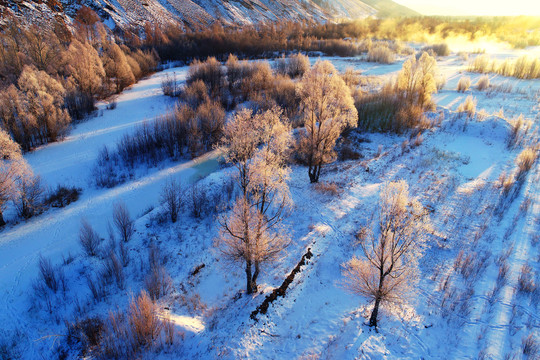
x=457 y=313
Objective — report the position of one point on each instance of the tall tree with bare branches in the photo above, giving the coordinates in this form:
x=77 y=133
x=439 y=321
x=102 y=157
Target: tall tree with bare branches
x=327 y=109
x=252 y=234
x=389 y=266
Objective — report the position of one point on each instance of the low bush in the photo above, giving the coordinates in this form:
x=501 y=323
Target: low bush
x=170 y=85
x=438 y=49
x=293 y=66
x=63 y=196
x=381 y=53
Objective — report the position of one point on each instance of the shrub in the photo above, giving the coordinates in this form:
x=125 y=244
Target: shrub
x=294 y=66
x=89 y=239
x=143 y=321
x=48 y=274
x=464 y=84
x=351 y=77
x=171 y=197
x=210 y=72
x=87 y=332
x=112 y=270
x=63 y=196
x=481 y=64
x=328 y=188
x=169 y=85
x=126 y=335
x=29 y=200
x=200 y=204
x=526 y=280
x=525 y=160
x=122 y=221
x=438 y=49
x=195 y=93
x=530 y=346
x=382 y=54
x=157 y=282
x=468 y=106
x=483 y=83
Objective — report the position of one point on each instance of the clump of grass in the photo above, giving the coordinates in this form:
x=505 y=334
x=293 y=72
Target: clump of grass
x=468 y=107
x=483 y=83
x=525 y=160
x=464 y=84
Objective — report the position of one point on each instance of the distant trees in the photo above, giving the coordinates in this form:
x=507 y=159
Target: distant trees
x=327 y=108
x=251 y=235
x=49 y=75
x=388 y=267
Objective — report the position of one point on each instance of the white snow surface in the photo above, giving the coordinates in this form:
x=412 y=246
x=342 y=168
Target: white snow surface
x=455 y=170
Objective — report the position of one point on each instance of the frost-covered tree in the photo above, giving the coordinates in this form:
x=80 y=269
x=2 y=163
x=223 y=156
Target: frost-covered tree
x=12 y=168
x=252 y=234
x=83 y=64
x=417 y=80
x=117 y=67
x=389 y=266
x=247 y=239
x=327 y=109
x=43 y=101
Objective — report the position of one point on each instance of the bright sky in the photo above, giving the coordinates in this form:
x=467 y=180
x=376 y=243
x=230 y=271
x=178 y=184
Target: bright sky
x=474 y=7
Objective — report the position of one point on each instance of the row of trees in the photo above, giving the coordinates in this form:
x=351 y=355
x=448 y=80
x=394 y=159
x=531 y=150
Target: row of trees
x=49 y=75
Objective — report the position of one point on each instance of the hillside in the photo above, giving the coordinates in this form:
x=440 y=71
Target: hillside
x=196 y=14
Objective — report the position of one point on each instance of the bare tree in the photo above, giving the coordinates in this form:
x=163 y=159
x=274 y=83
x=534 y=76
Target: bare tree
x=389 y=266
x=257 y=145
x=122 y=221
x=88 y=238
x=327 y=109
x=171 y=196
x=12 y=167
x=244 y=241
x=29 y=196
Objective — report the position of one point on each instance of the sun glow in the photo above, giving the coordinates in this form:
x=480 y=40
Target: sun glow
x=475 y=7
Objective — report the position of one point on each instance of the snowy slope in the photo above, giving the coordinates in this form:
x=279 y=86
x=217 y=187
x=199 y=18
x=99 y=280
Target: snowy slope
x=456 y=170
x=197 y=14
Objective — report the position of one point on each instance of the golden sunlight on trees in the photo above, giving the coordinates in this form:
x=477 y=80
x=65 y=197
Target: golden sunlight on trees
x=252 y=234
x=12 y=169
x=416 y=80
x=327 y=109
x=389 y=266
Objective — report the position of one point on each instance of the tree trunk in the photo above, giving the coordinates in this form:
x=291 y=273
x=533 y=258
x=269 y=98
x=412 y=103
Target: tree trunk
x=2 y=222
x=255 y=276
x=251 y=284
x=314 y=172
x=375 y=312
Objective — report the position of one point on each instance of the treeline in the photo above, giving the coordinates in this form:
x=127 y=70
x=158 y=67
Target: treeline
x=343 y=39
x=50 y=76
